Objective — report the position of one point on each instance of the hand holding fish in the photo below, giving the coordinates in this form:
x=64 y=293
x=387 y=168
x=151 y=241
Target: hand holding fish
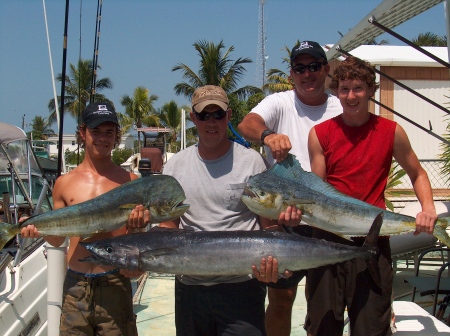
x=425 y=222
x=279 y=144
x=139 y=218
x=268 y=270
x=28 y=231
x=291 y=217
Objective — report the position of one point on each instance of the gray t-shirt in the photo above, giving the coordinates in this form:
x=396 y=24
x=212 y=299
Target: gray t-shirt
x=213 y=190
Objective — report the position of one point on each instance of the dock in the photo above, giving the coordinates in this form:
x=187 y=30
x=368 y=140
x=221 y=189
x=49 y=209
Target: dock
x=154 y=306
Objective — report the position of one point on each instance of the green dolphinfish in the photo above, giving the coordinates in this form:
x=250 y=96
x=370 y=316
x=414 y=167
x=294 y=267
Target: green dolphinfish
x=286 y=183
x=162 y=195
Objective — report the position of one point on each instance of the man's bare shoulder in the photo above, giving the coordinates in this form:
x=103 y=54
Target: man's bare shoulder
x=83 y=184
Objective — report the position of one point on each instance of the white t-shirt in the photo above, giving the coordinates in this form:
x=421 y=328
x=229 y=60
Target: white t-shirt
x=284 y=113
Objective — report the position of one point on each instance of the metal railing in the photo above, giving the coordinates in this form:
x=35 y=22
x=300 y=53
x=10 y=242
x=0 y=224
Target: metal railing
x=439 y=183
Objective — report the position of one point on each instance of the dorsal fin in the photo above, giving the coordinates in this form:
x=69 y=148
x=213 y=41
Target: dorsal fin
x=289 y=168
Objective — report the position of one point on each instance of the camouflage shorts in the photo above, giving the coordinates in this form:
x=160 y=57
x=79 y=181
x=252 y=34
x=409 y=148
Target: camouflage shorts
x=97 y=305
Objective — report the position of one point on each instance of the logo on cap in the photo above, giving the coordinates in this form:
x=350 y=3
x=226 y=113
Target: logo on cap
x=102 y=109
x=303 y=45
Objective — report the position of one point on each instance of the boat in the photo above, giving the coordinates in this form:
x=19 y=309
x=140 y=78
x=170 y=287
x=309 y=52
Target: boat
x=23 y=262
x=153 y=155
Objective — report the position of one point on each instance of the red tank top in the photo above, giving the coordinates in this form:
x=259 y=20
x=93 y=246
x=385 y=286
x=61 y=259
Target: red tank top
x=358 y=159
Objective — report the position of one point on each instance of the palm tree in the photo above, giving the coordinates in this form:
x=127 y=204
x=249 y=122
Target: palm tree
x=40 y=129
x=215 y=68
x=170 y=117
x=429 y=39
x=445 y=155
x=279 y=80
x=78 y=90
x=139 y=111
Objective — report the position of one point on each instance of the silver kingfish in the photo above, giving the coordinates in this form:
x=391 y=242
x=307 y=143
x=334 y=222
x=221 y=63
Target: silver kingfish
x=214 y=253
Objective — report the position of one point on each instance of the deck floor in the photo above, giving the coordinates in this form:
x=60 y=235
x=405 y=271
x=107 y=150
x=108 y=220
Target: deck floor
x=155 y=306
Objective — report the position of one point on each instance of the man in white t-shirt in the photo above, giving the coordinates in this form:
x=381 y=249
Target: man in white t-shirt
x=281 y=122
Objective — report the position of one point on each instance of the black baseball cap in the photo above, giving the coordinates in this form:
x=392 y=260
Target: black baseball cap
x=98 y=113
x=308 y=47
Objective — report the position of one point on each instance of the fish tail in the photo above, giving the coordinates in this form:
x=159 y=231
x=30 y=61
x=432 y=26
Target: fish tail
x=440 y=231
x=371 y=241
x=7 y=232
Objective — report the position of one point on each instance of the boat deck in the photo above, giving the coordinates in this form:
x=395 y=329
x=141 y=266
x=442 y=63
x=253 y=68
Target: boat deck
x=154 y=306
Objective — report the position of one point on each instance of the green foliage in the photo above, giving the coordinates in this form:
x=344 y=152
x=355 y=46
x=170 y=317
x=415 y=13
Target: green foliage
x=394 y=179
x=73 y=158
x=430 y=39
x=445 y=155
x=139 y=111
x=215 y=68
x=78 y=90
x=40 y=129
x=120 y=155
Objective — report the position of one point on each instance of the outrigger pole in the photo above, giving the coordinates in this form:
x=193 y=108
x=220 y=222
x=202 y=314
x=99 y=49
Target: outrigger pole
x=96 y=43
x=63 y=87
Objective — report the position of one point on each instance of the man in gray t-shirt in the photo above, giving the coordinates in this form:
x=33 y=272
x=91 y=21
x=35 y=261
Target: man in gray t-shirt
x=213 y=174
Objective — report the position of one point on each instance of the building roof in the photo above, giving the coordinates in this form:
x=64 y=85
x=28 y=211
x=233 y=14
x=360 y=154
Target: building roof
x=388 y=55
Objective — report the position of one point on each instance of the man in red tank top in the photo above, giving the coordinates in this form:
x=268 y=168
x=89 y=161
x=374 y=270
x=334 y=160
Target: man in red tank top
x=354 y=152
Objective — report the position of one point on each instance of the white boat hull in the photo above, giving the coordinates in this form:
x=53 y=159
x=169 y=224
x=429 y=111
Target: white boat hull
x=23 y=296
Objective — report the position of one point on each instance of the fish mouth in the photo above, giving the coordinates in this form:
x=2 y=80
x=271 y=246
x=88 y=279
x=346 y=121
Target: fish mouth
x=180 y=206
x=91 y=258
x=250 y=193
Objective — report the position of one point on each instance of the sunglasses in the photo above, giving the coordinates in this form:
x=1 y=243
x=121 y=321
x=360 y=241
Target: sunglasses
x=312 y=67
x=218 y=115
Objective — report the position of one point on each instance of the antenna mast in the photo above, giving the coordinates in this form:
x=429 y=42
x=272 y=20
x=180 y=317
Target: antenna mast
x=261 y=52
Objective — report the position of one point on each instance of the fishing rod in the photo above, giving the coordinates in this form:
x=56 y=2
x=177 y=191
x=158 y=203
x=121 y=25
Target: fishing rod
x=96 y=44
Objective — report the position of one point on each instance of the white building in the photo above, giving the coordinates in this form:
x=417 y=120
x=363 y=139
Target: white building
x=70 y=143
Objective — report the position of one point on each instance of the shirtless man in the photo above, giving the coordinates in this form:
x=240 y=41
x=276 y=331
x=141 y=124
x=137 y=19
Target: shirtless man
x=96 y=299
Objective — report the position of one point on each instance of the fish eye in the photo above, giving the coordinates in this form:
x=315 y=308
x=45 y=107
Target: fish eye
x=108 y=249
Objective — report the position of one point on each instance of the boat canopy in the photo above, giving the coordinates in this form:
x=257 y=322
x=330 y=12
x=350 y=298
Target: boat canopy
x=10 y=133
x=389 y=13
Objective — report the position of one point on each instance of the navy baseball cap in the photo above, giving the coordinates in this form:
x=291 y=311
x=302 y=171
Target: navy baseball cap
x=98 y=113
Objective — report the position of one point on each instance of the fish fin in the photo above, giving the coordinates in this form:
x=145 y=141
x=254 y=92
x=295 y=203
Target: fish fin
x=289 y=168
x=127 y=206
x=371 y=243
x=154 y=254
x=288 y=229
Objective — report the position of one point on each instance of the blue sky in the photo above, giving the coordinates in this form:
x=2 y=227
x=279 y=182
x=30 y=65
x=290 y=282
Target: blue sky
x=141 y=40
